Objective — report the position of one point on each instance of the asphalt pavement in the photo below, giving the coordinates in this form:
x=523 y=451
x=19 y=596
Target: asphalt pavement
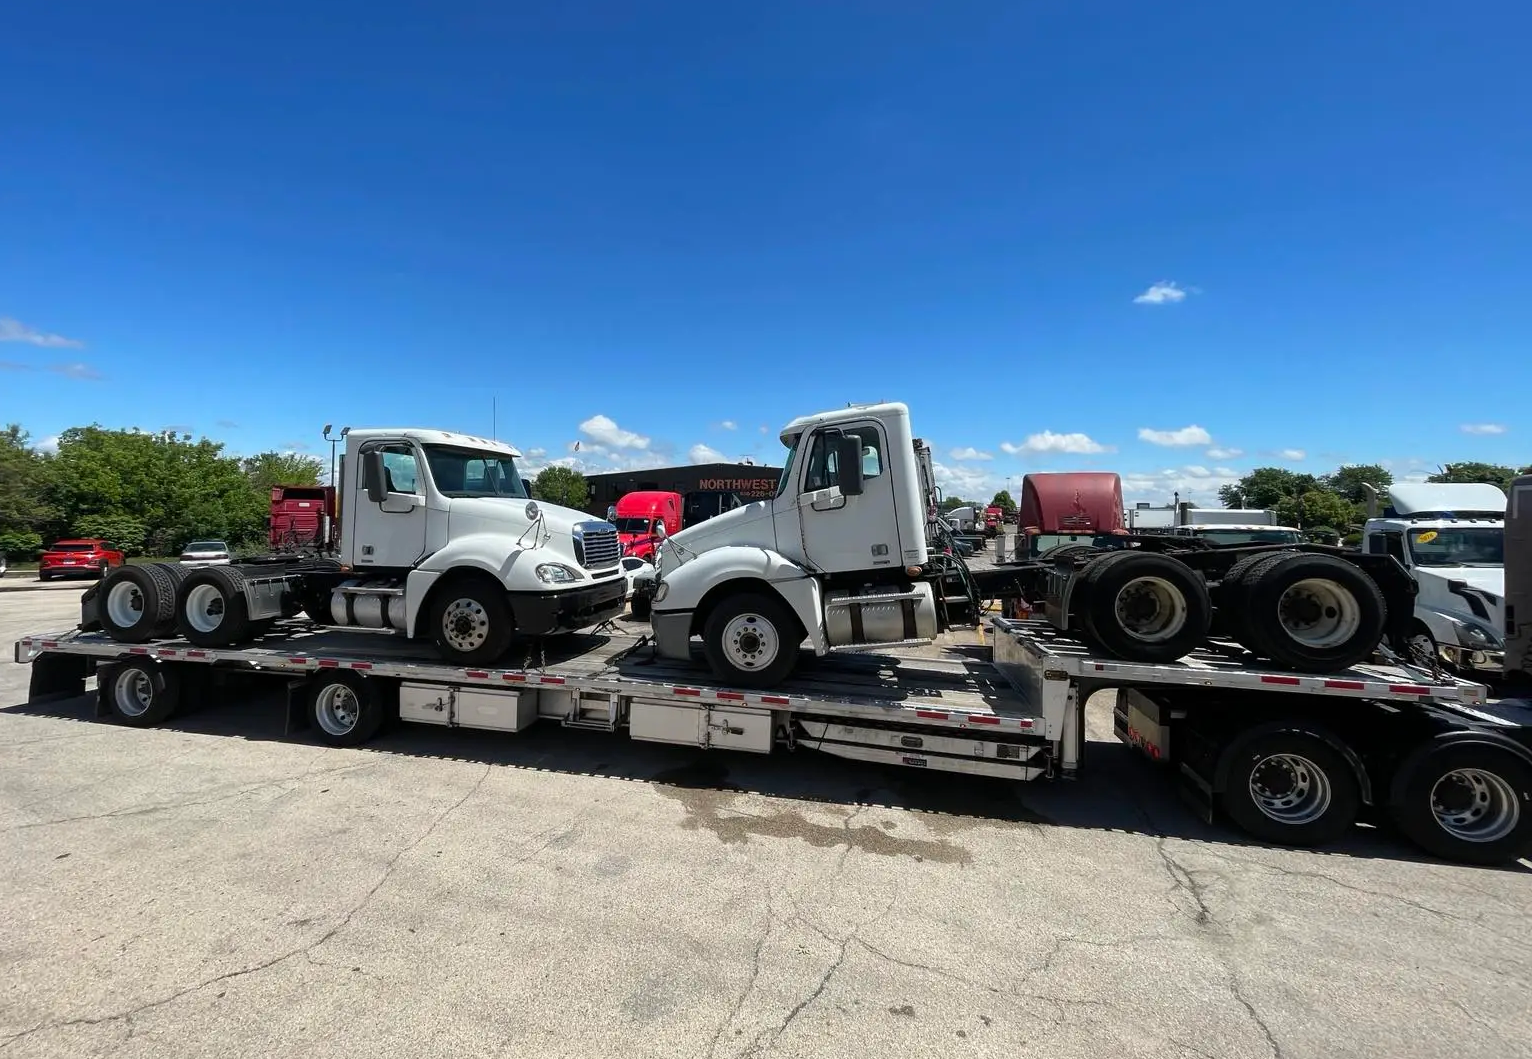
x=214 y=888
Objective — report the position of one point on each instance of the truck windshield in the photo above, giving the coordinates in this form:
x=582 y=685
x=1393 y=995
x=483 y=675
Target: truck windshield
x=632 y=525
x=464 y=472
x=1248 y=536
x=1458 y=546
x=787 y=466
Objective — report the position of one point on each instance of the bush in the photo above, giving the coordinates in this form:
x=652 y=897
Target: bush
x=20 y=545
x=124 y=532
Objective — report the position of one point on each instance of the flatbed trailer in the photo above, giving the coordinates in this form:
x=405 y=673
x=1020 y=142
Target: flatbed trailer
x=1293 y=759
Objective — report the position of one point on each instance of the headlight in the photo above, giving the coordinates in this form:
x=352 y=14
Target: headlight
x=661 y=590
x=1476 y=636
x=556 y=574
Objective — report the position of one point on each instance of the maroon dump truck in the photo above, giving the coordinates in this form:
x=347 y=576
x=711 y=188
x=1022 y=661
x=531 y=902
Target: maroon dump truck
x=303 y=518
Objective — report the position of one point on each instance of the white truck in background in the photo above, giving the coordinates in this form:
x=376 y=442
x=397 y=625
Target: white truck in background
x=1234 y=526
x=1451 y=537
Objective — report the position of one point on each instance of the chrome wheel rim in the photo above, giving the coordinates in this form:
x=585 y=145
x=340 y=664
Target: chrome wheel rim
x=204 y=608
x=1150 y=609
x=750 y=642
x=337 y=709
x=1319 y=613
x=125 y=604
x=1290 y=789
x=1475 y=805
x=133 y=692
x=465 y=625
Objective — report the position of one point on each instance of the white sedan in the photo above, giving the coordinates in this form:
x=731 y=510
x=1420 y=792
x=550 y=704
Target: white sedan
x=633 y=568
x=206 y=553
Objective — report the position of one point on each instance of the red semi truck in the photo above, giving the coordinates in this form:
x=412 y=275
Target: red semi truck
x=302 y=518
x=1081 y=508
x=646 y=518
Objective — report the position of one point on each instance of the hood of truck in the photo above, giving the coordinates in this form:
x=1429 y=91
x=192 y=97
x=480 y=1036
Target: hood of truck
x=1488 y=580
x=751 y=525
x=507 y=516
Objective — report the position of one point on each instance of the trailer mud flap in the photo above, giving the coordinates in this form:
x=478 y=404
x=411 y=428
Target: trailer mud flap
x=978 y=754
x=57 y=677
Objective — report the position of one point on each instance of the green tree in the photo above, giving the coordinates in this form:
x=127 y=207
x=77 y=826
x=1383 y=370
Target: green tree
x=124 y=531
x=561 y=485
x=179 y=488
x=1265 y=487
x=1316 y=507
x=1490 y=473
x=1004 y=502
x=24 y=513
x=267 y=469
x=953 y=501
x=1348 y=481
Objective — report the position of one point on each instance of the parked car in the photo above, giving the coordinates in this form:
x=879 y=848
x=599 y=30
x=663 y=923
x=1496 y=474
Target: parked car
x=633 y=567
x=206 y=553
x=91 y=557
x=2 y=564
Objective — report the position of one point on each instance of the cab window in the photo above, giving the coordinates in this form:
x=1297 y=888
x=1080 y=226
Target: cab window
x=822 y=469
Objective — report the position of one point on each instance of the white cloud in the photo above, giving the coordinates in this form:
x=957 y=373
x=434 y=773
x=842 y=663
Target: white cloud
x=968 y=452
x=1224 y=454
x=605 y=431
x=1192 y=435
x=48 y=444
x=12 y=330
x=1198 y=472
x=1048 y=441
x=1162 y=293
x=1292 y=454
x=706 y=454
x=729 y=424
x=965 y=482
x=765 y=429
x=1196 y=485
x=536 y=454
x=1482 y=428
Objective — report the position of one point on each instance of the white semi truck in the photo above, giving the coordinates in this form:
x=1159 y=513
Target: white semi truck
x=1451 y=537
x=439 y=541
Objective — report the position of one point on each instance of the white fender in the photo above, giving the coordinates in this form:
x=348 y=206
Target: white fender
x=693 y=579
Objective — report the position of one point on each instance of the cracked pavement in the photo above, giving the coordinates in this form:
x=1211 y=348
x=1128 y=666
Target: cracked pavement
x=212 y=888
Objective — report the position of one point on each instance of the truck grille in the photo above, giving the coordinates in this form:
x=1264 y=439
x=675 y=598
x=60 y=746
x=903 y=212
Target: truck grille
x=596 y=545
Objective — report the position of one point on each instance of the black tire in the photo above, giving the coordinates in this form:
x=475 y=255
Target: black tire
x=1232 y=596
x=135 y=604
x=1145 y=588
x=44 y=576
x=764 y=636
x=1288 y=765
x=1312 y=613
x=211 y=609
x=641 y=606
x=1497 y=790
x=471 y=622
x=142 y=693
x=345 y=708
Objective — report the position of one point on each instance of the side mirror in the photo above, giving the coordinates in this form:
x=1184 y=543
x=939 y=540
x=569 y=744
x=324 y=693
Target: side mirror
x=848 y=463
x=372 y=473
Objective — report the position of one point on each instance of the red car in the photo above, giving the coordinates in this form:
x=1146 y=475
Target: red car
x=72 y=558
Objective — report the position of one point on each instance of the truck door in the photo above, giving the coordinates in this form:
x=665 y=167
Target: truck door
x=392 y=533
x=846 y=533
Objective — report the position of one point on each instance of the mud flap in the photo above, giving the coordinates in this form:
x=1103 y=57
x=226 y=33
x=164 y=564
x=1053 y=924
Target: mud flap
x=297 y=707
x=57 y=677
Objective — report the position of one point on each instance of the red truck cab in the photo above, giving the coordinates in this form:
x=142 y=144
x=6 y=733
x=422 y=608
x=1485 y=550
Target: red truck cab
x=1080 y=507
x=303 y=518
x=646 y=518
x=994 y=518
x=91 y=557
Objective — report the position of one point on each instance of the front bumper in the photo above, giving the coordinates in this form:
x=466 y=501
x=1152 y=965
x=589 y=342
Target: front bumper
x=549 y=613
x=1473 y=659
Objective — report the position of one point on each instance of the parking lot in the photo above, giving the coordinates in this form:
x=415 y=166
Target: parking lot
x=215 y=888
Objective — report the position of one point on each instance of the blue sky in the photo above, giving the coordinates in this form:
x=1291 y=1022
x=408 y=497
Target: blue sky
x=1176 y=240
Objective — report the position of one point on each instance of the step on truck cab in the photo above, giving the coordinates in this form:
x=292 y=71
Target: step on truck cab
x=439 y=541
x=1451 y=537
x=837 y=558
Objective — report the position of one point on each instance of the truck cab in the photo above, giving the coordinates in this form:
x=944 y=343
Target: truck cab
x=1069 y=509
x=1451 y=537
x=442 y=542
x=837 y=558
x=644 y=519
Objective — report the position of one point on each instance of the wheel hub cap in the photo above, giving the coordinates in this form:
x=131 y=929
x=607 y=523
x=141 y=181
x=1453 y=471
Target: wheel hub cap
x=465 y=625
x=750 y=642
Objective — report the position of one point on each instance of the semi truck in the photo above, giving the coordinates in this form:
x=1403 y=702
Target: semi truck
x=438 y=541
x=1289 y=757
x=1451 y=537
x=1070 y=509
x=1233 y=526
x=644 y=519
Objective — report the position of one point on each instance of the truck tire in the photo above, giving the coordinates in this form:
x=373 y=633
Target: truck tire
x=1290 y=787
x=1143 y=607
x=345 y=708
x=1465 y=800
x=471 y=622
x=641 y=606
x=136 y=603
x=143 y=693
x=211 y=609
x=1312 y=613
x=751 y=640
x=1232 y=597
